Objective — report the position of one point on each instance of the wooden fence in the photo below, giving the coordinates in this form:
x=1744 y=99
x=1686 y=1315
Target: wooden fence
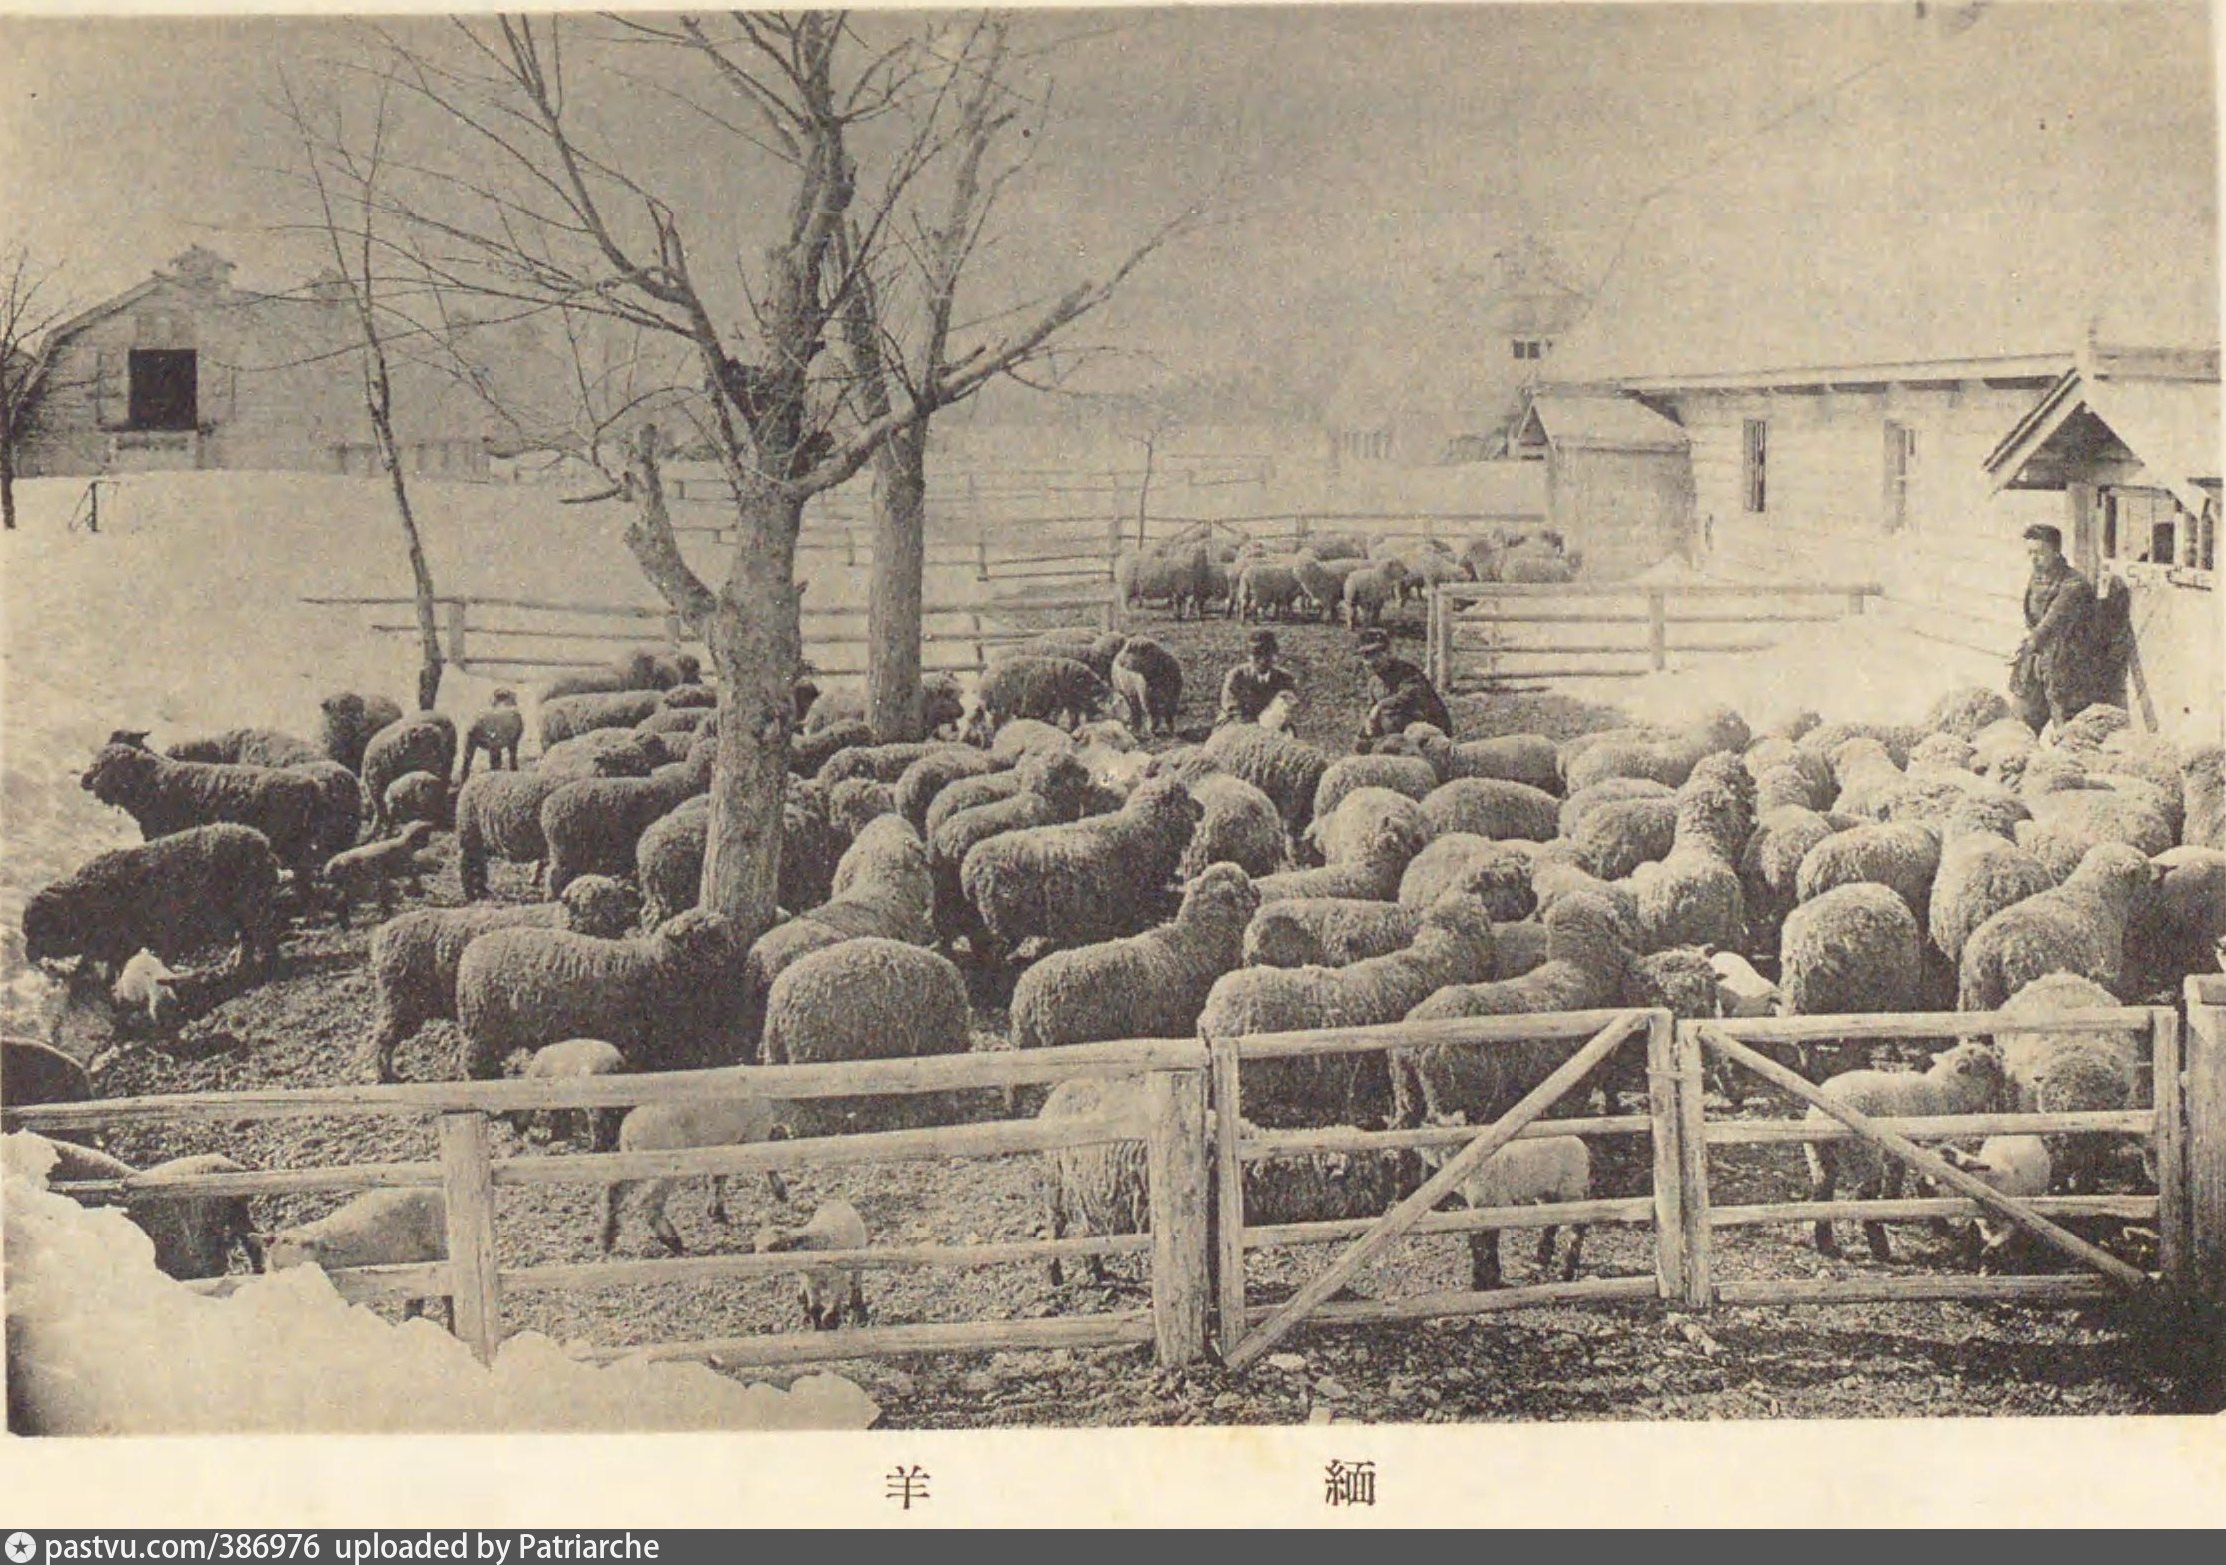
x=1468 y=650
x=1290 y=531
x=1197 y=1242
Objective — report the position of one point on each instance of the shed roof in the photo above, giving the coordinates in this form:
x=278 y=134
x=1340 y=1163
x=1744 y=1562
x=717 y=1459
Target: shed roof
x=2168 y=423
x=1598 y=423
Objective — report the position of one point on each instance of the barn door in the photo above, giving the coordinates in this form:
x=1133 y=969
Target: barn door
x=111 y=388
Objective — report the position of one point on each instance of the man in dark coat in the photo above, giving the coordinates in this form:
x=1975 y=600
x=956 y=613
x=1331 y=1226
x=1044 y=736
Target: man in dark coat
x=1248 y=688
x=1408 y=696
x=2063 y=664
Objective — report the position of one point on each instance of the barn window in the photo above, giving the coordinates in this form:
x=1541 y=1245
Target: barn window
x=1529 y=347
x=1754 y=465
x=1901 y=458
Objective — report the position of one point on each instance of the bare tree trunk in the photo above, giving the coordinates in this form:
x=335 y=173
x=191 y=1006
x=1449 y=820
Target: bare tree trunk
x=1144 y=490
x=378 y=404
x=894 y=605
x=7 y=480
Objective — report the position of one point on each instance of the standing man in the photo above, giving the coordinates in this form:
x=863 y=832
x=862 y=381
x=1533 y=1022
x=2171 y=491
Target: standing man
x=1248 y=688
x=1408 y=696
x=2058 y=666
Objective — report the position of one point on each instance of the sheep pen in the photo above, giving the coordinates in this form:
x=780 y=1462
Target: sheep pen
x=308 y=1030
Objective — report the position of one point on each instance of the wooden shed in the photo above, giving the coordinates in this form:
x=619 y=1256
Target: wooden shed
x=1619 y=478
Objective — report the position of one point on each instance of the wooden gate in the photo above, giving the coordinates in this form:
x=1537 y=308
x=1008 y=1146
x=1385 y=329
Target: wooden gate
x=1603 y=1031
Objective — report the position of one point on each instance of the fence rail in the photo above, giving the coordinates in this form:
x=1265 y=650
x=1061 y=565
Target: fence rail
x=1196 y=1240
x=1464 y=623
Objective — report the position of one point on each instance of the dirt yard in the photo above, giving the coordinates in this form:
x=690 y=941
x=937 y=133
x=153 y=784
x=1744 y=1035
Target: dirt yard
x=1639 y=1362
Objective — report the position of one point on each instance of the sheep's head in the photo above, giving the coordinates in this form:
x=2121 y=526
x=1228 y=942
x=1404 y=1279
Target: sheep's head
x=345 y=707
x=1106 y=734
x=1277 y=717
x=703 y=940
x=135 y=737
x=1221 y=894
x=2118 y=871
x=1589 y=929
x=601 y=906
x=1971 y=1074
x=505 y=697
x=942 y=703
x=55 y=927
x=120 y=773
x=1058 y=777
x=1166 y=799
x=1458 y=915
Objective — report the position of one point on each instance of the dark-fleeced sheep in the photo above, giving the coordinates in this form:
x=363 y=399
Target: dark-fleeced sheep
x=1289 y=771
x=1093 y=879
x=246 y=747
x=605 y=752
x=497 y=731
x=1149 y=680
x=171 y=896
x=1240 y=826
x=425 y=742
x=339 y=816
x=414 y=958
x=1055 y=690
x=349 y=720
x=568 y=717
x=418 y=796
x=594 y=827
x=498 y=816
x=371 y=870
x=1049 y=789
x=166 y=797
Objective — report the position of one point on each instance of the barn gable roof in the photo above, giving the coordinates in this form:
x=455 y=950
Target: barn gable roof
x=2159 y=410
x=1597 y=423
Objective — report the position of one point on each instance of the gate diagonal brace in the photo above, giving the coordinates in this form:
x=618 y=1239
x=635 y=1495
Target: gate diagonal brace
x=1931 y=1164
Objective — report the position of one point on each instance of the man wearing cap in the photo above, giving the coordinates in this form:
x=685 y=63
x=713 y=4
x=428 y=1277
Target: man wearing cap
x=2054 y=672
x=1248 y=688
x=1408 y=696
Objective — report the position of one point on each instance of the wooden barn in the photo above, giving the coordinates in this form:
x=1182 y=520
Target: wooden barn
x=186 y=371
x=1618 y=478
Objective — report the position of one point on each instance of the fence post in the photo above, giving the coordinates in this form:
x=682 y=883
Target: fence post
x=1669 y=1205
x=1855 y=604
x=675 y=632
x=1692 y=1169
x=458 y=610
x=1444 y=681
x=1228 y=1197
x=2169 y=1151
x=1657 y=629
x=1176 y=1158
x=468 y=1192
x=2204 y=1094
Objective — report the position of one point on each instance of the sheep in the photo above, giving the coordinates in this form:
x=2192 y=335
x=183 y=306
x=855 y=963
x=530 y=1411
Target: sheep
x=644 y=668
x=926 y=778
x=1349 y=831
x=1693 y=896
x=1185 y=577
x=1369 y=590
x=882 y=763
x=414 y=958
x=377 y=1228
x=1666 y=759
x=825 y=1291
x=942 y=704
x=1981 y=872
x=496 y=731
x=864 y=999
x=1022 y=737
x=419 y=796
x=1770 y=864
x=882 y=888
x=1104 y=1188
x=1372 y=853
x=372 y=869
x=1587 y=964
x=1854 y=948
x=1965 y=710
x=808 y=752
x=338 y=818
x=1240 y=826
x=1151 y=985
x=246 y=747
x=423 y=743
x=1869 y=779
x=605 y=752
x=1289 y=771
x=2078 y=927
x=1613 y=839
x=1327 y=931
x=498 y=815
x=1321 y=587
x=1545 y=1171
x=971 y=792
x=1966 y=1079
x=1896 y=739
x=2074 y=1073
x=170 y=896
x=349 y=720
x=193 y=1234
x=1049 y=689
x=1578 y=806
x=1050 y=789
x=1902 y=856
x=690 y=696
x=1266 y=584
x=1478 y=866
x=1405 y=774
x=2176 y=930
x=167 y=797
x=595 y=827
x=2068 y=823
x=1530 y=759
x=1453 y=945
x=1092 y=879
x=2203 y=789
x=661 y=998
x=2017 y=1166
x=674 y=726
x=567 y=717
x=1149 y=679
x=576 y=1059
x=743 y=1118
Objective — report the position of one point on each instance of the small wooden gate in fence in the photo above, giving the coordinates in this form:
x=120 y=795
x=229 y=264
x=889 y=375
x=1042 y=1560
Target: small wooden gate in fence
x=1198 y=1240
x=1462 y=636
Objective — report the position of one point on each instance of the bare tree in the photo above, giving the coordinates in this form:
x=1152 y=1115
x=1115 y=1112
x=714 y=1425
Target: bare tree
x=30 y=310
x=348 y=223
x=543 y=209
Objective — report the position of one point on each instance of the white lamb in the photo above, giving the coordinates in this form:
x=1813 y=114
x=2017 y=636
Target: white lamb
x=1967 y=1079
x=572 y=1060
x=664 y=1127
x=377 y=1228
x=1546 y=1171
x=826 y=1291
x=147 y=988
x=2016 y=1166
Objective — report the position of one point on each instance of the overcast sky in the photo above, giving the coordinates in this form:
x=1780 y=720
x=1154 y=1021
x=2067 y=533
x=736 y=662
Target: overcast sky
x=1350 y=151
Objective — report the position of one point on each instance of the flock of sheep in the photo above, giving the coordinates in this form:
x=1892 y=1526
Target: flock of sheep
x=1349 y=577
x=1252 y=883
